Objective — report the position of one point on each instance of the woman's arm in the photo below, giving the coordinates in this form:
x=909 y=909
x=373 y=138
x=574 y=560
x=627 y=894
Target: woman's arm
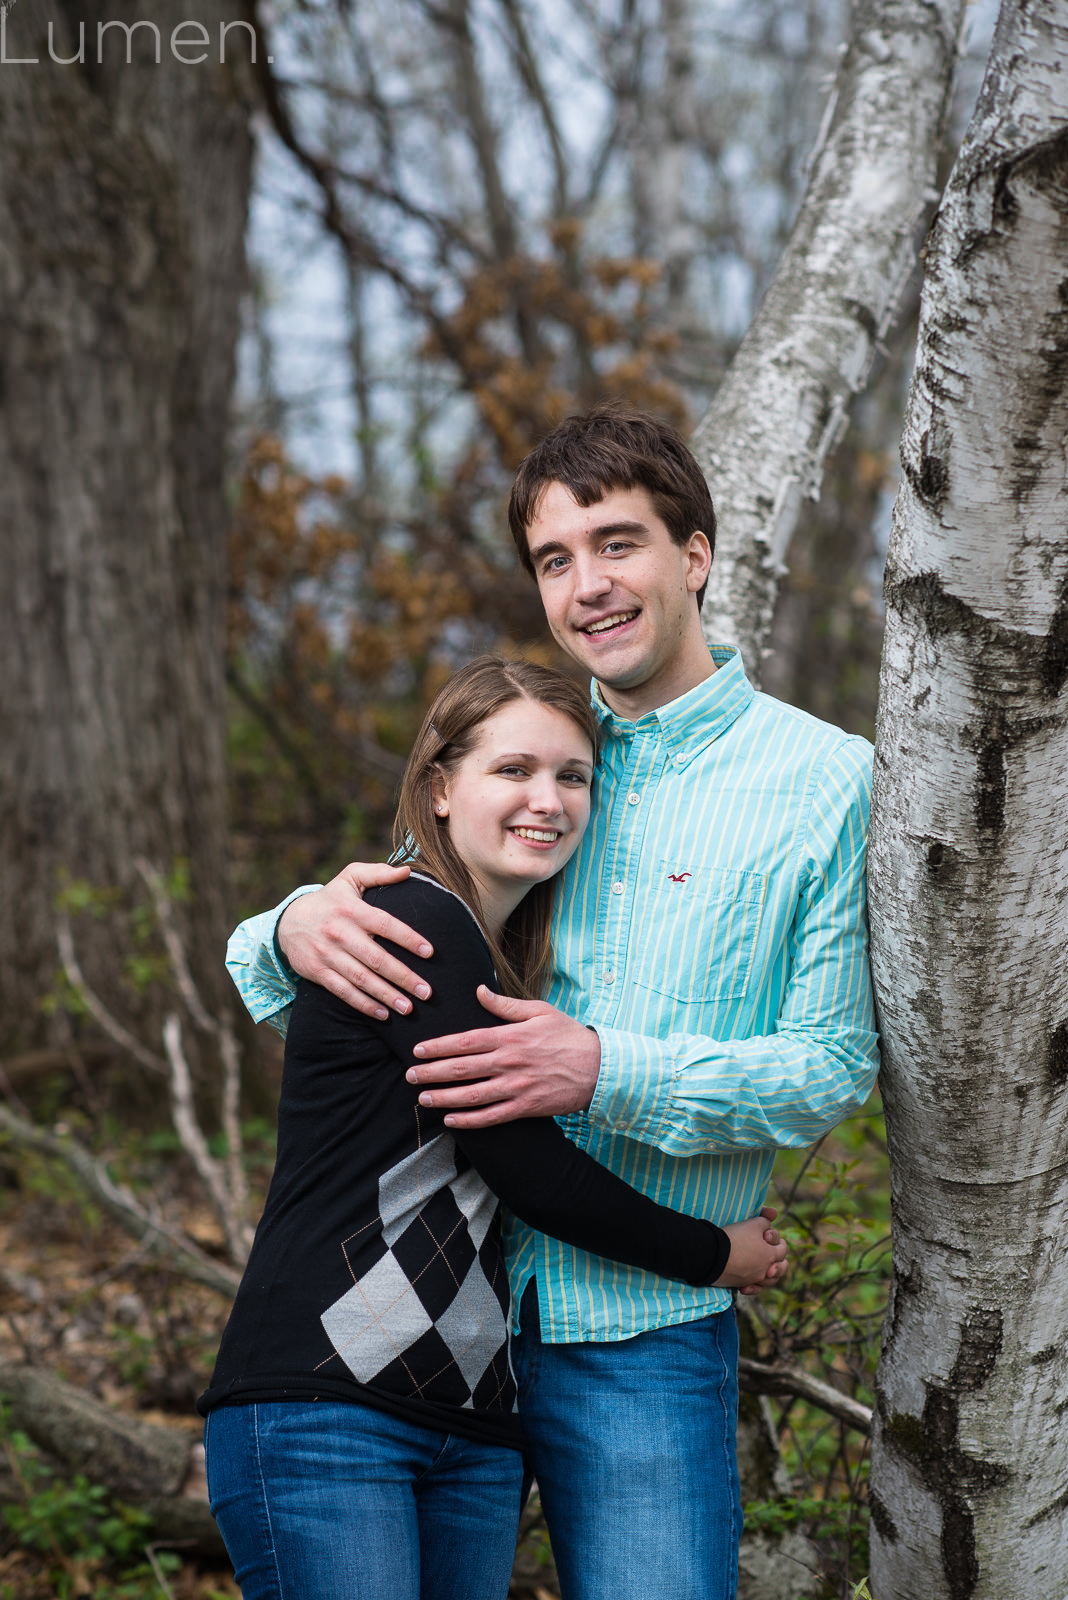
x=531 y=1165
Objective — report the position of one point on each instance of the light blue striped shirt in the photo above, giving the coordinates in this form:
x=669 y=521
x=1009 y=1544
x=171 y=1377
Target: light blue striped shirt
x=712 y=929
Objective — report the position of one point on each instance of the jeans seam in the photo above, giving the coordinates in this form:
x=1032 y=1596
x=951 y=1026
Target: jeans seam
x=265 y=1502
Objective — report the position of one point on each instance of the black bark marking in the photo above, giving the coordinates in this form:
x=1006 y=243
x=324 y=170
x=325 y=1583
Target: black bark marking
x=933 y=477
x=1054 y=665
x=959 y=1561
x=882 y=1521
x=1057 y=1058
x=991 y=785
x=922 y=698
x=1042 y=1358
x=941 y=859
x=923 y=591
x=980 y=1346
x=931 y=1444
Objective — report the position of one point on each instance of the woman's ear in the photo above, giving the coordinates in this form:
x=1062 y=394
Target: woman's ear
x=438 y=793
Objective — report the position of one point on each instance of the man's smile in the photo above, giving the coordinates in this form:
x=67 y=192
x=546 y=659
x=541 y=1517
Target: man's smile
x=606 y=624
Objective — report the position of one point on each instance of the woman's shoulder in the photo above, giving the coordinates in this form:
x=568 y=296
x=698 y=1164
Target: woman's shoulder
x=429 y=908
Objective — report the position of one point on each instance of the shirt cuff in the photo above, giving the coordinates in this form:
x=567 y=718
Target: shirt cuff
x=263 y=976
x=634 y=1086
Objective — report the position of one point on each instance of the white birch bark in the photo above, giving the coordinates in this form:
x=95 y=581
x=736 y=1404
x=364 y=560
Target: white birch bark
x=784 y=402
x=969 y=872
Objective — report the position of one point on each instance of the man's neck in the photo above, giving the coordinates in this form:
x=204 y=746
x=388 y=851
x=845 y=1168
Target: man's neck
x=636 y=701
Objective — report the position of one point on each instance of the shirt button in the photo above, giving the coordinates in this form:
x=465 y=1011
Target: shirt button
x=632 y=799
x=680 y=759
x=609 y=977
x=617 y=888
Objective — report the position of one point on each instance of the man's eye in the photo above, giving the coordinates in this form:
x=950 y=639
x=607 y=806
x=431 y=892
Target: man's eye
x=615 y=547
x=555 y=564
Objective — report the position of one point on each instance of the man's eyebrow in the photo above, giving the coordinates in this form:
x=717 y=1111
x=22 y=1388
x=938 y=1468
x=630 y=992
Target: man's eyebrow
x=553 y=547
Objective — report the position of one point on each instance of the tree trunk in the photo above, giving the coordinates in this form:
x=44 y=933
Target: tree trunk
x=123 y=196
x=784 y=402
x=969 y=871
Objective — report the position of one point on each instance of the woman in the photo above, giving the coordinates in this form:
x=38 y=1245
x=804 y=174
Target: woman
x=362 y=1438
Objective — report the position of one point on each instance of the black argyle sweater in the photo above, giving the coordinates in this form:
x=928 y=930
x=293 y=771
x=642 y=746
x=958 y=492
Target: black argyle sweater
x=377 y=1273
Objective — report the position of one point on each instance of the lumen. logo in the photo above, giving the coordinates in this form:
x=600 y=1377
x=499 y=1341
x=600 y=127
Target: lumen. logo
x=188 y=42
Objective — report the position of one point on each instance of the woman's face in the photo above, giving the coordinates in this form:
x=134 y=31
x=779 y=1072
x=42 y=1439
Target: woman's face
x=518 y=801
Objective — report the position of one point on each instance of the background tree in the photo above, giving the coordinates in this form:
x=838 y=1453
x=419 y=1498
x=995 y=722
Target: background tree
x=969 y=871
x=123 y=198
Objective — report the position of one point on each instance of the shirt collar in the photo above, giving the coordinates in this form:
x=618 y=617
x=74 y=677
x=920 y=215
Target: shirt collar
x=690 y=723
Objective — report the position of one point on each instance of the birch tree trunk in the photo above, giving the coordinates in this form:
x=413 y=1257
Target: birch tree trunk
x=784 y=402
x=123 y=195
x=969 y=871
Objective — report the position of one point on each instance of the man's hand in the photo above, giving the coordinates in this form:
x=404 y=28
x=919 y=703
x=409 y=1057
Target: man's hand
x=542 y=1064
x=332 y=936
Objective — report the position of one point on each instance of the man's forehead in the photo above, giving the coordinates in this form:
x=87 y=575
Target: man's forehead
x=558 y=514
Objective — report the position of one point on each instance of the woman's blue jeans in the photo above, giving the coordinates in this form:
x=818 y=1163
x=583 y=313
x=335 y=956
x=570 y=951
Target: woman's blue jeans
x=324 y=1500
x=634 y=1447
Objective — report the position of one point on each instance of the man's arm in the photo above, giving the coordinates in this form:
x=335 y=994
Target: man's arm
x=329 y=935
x=687 y=1093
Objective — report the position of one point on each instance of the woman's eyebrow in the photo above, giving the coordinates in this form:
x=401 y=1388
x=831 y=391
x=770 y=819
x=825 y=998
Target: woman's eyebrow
x=525 y=755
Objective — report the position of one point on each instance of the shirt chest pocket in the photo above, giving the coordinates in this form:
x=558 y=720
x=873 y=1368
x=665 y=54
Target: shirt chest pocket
x=695 y=933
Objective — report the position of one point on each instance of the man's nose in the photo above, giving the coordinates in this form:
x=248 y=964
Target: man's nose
x=592 y=580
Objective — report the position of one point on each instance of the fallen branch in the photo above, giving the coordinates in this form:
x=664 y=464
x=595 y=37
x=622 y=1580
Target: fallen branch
x=150 y=1230
x=156 y=1469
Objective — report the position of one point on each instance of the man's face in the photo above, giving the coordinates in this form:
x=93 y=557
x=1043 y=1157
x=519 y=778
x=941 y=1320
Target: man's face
x=619 y=594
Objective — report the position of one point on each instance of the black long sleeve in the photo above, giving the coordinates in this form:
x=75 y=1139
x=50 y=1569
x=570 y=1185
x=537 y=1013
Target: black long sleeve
x=531 y=1165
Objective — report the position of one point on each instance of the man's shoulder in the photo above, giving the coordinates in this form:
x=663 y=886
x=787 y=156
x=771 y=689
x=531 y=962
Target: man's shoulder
x=790 y=734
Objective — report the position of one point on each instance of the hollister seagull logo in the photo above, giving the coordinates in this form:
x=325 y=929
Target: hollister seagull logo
x=679 y=877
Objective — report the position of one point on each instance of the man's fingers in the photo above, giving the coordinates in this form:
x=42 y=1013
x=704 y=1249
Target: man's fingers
x=476 y=1041
x=507 y=1006
x=382 y=926
x=372 y=874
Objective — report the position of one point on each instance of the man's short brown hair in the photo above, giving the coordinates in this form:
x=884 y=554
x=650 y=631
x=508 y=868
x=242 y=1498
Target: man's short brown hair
x=612 y=447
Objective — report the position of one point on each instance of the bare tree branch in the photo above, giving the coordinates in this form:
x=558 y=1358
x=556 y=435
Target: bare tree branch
x=783 y=1378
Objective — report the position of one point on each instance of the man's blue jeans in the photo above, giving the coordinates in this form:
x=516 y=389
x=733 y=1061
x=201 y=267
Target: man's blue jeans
x=332 y=1501
x=633 y=1445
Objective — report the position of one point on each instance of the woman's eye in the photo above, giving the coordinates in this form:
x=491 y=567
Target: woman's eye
x=575 y=779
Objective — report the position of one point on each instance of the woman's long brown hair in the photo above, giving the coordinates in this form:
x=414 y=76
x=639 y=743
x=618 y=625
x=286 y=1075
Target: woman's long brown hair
x=522 y=955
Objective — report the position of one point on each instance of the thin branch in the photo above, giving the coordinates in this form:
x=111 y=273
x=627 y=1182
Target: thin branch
x=95 y=1007
x=238 y=1236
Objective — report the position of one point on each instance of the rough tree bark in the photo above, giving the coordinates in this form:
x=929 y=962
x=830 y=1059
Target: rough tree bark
x=969 y=871
x=784 y=402
x=123 y=196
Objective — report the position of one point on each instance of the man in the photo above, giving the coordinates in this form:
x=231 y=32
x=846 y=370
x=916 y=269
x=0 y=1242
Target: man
x=711 y=1002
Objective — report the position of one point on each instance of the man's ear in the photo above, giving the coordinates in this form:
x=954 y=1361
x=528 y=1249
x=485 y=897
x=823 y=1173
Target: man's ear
x=699 y=561
x=439 y=793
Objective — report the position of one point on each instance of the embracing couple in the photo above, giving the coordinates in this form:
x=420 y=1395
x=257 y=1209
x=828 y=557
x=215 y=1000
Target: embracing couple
x=690 y=994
